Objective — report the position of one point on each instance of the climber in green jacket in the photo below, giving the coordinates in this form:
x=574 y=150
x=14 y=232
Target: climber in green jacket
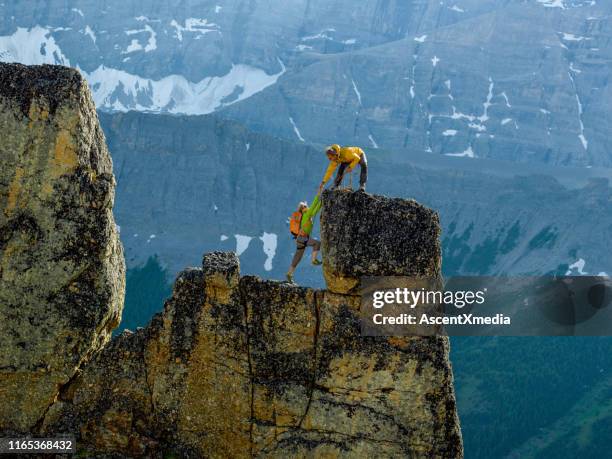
x=300 y=225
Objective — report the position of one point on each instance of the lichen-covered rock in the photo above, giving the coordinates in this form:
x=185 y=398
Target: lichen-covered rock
x=234 y=366
x=243 y=367
x=61 y=262
x=370 y=235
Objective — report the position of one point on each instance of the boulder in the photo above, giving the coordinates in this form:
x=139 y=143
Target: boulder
x=62 y=273
x=370 y=235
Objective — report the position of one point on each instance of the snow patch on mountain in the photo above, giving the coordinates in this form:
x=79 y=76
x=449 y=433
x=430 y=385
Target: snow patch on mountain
x=574 y=69
x=487 y=103
x=199 y=27
x=477 y=126
x=581 y=136
x=296 y=130
x=505 y=96
x=90 y=33
x=467 y=153
x=242 y=243
x=357 y=93
x=577 y=267
x=552 y=3
x=323 y=35
x=34 y=46
x=135 y=45
x=571 y=37
x=118 y=90
x=270 y=242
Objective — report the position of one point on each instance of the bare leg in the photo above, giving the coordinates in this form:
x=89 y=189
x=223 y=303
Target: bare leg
x=300 y=248
x=316 y=246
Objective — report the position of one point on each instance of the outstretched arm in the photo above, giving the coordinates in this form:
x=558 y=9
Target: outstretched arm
x=309 y=216
x=328 y=173
x=313 y=209
x=316 y=205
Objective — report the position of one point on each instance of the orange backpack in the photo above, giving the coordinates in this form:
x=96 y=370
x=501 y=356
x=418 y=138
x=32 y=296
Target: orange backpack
x=295 y=222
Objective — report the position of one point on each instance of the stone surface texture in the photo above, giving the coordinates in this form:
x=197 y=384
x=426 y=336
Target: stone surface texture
x=244 y=367
x=62 y=271
x=368 y=235
x=234 y=366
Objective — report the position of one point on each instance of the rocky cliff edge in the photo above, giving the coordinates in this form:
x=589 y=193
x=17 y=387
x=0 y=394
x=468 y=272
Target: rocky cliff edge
x=61 y=263
x=233 y=366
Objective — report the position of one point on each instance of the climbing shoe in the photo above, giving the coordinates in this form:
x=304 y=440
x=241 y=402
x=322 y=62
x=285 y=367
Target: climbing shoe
x=316 y=262
x=290 y=278
x=362 y=188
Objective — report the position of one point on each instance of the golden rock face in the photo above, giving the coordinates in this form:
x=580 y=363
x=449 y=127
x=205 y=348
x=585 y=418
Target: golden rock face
x=61 y=262
x=234 y=366
x=243 y=367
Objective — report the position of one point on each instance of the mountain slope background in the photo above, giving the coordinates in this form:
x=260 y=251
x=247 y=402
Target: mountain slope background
x=521 y=80
x=496 y=113
x=193 y=183
x=531 y=396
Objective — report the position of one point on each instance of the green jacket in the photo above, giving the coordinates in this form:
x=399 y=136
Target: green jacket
x=309 y=215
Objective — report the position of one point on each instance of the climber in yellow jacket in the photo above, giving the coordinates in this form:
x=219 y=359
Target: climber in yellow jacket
x=347 y=158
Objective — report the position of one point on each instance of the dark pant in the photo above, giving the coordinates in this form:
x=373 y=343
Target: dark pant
x=300 y=247
x=363 y=176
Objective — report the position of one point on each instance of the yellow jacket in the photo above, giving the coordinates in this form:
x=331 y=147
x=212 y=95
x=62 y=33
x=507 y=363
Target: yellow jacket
x=348 y=155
